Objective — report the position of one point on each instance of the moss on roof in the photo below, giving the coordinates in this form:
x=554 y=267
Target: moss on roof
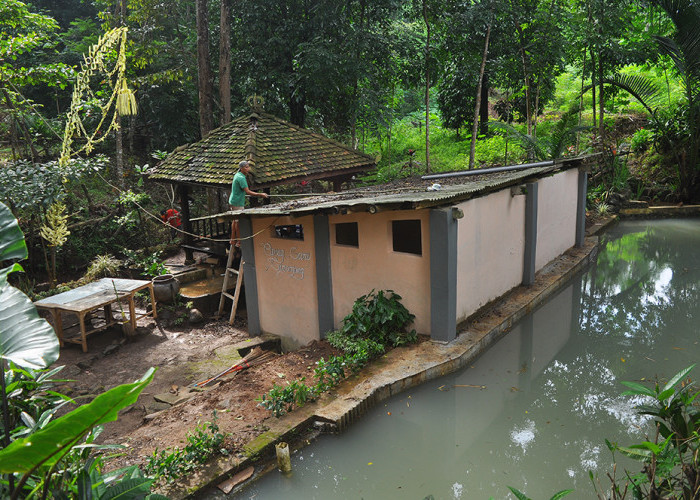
x=281 y=153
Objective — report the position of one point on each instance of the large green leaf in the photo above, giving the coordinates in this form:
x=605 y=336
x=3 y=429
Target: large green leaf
x=12 y=245
x=25 y=339
x=50 y=444
x=678 y=378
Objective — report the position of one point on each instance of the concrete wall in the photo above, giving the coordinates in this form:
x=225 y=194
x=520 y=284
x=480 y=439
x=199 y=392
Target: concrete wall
x=374 y=264
x=556 y=216
x=490 y=248
x=491 y=242
x=286 y=277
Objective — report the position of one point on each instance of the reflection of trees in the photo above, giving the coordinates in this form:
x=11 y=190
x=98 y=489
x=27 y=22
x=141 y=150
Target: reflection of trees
x=639 y=285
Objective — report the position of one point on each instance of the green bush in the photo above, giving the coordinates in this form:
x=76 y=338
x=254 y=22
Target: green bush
x=641 y=140
x=282 y=399
x=380 y=317
x=671 y=459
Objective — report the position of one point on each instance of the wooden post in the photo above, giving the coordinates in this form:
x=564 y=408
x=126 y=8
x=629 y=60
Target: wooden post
x=186 y=223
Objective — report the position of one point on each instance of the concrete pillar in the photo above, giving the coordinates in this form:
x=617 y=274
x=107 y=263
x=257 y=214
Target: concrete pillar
x=581 y=208
x=324 y=282
x=443 y=275
x=530 y=234
x=250 y=278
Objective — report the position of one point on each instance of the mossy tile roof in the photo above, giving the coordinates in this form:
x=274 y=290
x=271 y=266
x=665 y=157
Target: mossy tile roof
x=281 y=153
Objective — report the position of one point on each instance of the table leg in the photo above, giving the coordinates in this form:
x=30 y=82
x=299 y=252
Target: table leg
x=83 y=334
x=153 y=300
x=132 y=312
x=58 y=325
x=108 y=314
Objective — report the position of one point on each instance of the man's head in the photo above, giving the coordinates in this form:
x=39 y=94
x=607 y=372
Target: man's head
x=244 y=166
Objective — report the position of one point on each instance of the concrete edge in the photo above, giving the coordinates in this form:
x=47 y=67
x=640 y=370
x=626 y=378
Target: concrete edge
x=399 y=370
x=659 y=212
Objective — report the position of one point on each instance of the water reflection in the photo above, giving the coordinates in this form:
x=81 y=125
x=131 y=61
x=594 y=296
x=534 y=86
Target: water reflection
x=533 y=412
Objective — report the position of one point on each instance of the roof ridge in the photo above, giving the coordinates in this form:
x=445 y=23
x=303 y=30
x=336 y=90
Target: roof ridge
x=319 y=136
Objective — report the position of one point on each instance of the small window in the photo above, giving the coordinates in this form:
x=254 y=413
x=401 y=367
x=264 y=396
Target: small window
x=406 y=236
x=293 y=232
x=346 y=234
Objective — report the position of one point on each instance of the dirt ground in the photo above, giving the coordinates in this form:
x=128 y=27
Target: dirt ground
x=183 y=355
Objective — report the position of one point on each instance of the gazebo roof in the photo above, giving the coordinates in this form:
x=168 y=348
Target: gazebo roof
x=281 y=153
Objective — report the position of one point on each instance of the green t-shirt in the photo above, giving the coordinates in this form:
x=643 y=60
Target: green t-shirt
x=237 y=198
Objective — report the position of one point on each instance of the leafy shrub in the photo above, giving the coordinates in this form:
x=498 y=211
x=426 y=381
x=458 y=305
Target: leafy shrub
x=150 y=263
x=204 y=442
x=672 y=459
x=380 y=317
x=366 y=347
x=102 y=266
x=281 y=399
x=641 y=140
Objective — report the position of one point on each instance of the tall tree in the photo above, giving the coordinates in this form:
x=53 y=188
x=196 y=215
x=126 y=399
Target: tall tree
x=204 y=72
x=479 y=87
x=225 y=61
x=426 y=19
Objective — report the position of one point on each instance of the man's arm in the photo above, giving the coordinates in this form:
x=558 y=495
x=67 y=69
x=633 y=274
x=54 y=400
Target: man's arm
x=253 y=193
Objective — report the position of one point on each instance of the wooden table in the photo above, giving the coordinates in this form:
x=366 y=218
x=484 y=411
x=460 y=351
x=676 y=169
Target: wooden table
x=100 y=294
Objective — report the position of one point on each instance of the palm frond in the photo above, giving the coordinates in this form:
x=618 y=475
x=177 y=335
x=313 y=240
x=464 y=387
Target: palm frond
x=641 y=88
x=527 y=142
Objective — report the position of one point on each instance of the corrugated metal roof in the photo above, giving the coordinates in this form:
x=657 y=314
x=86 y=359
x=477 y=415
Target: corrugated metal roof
x=402 y=196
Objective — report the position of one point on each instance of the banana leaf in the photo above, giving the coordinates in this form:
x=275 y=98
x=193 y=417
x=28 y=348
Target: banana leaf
x=25 y=339
x=49 y=445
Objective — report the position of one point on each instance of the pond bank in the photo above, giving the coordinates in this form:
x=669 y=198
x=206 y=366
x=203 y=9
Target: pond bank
x=400 y=369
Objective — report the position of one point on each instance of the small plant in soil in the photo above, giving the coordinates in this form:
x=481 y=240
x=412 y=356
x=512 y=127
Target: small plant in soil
x=203 y=443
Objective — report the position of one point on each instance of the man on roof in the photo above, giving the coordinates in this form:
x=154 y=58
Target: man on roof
x=239 y=190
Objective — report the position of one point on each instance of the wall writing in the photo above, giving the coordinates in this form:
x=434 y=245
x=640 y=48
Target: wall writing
x=289 y=263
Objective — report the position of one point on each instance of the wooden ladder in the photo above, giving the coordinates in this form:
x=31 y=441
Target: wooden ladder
x=230 y=271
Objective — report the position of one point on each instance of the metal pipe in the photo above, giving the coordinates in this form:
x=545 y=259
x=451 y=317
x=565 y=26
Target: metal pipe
x=478 y=171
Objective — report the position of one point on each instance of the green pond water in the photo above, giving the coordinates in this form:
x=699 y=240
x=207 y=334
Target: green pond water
x=546 y=397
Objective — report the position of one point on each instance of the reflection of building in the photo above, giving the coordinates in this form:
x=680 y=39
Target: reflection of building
x=446 y=252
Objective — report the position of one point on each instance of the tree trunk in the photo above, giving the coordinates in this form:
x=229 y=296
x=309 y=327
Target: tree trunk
x=535 y=114
x=526 y=76
x=593 y=90
x=484 y=109
x=204 y=76
x=225 y=61
x=358 y=56
x=477 y=105
x=601 y=100
x=297 y=109
x=580 y=107
x=427 y=88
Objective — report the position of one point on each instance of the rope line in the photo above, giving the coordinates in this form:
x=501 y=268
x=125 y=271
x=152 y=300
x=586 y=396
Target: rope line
x=182 y=231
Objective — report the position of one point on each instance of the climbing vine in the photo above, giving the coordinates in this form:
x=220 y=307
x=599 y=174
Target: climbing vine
x=99 y=62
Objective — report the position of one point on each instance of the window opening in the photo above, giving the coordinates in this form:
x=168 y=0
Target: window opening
x=291 y=232
x=406 y=236
x=346 y=234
